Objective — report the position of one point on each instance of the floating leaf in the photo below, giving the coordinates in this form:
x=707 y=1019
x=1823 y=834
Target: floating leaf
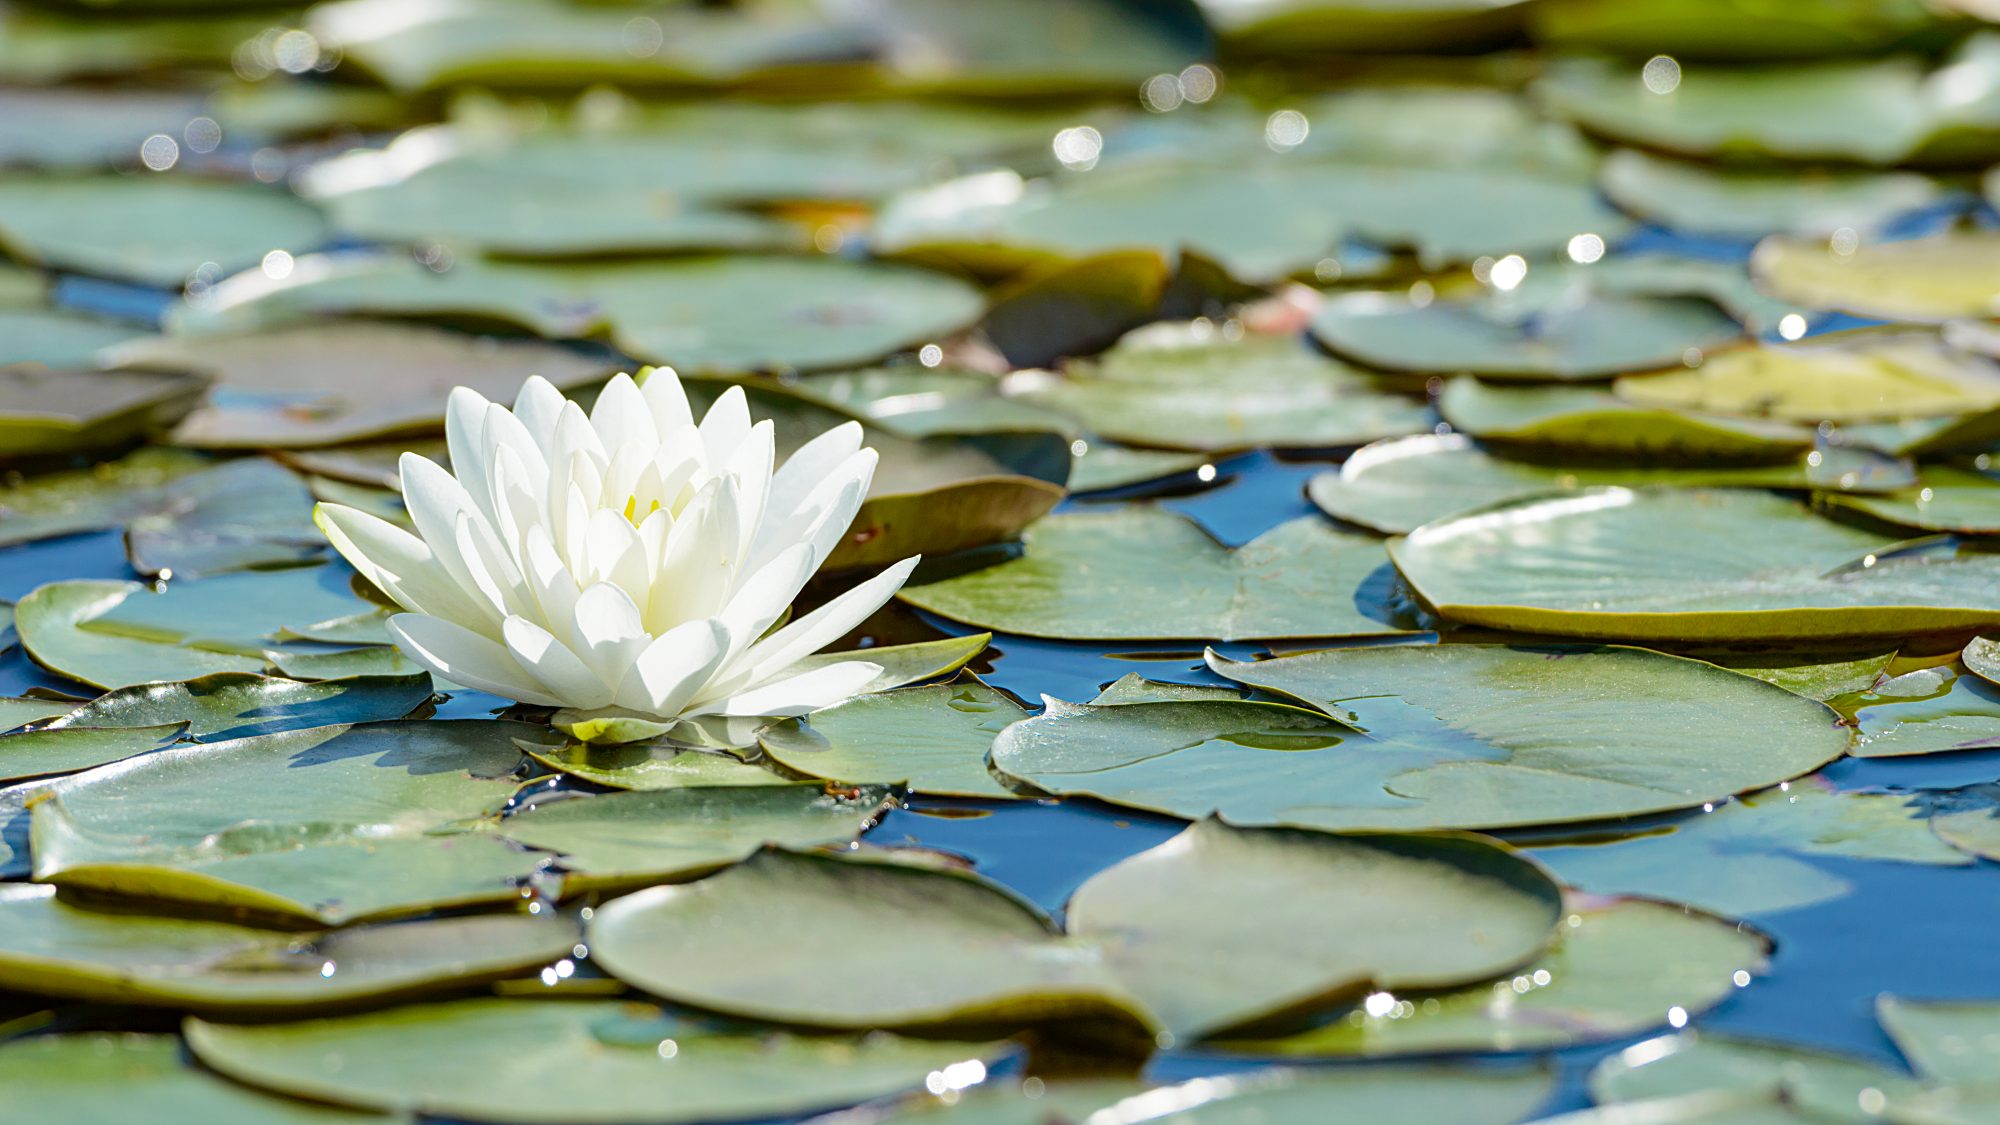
x=919 y=401
x=66 y=411
x=1820 y=1086
x=1945 y=499
x=323 y=383
x=235 y=516
x=58 y=338
x=933 y=738
x=1947 y=1041
x=700 y=314
x=154 y=231
x=1928 y=711
x=1692 y=197
x=51 y=621
x=1752 y=855
x=130 y=1079
x=1820 y=674
x=1582 y=990
x=1159 y=935
x=40 y=753
x=52 y=946
x=1305 y=26
x=1732 y=32
x=1098 y=576
x=1943 y=277
x=594 y=1061
x=1856 y=377
x=1399 y=485
x=1589 y=421
x=1690 y=565
x=653 y=765
x=230 y=705
x=102 y=496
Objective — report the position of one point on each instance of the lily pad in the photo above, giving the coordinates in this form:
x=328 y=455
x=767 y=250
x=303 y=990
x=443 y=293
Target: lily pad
x=649 y=766
x=343 y=381
x=1097 y=576
x=1695 y=198
x=1583 y=990
x=154 y=231
x=51 y=622
x=58 y=338
x=1927 y=711
x=1691 y=1064
x=1159 y=935
x=1690 y=565
x=327 y=825
x=1982 y=657
x=101 y=496
x=1947 y=1041
x=933 y=738
x=1753 y=855
x=1362 y=26
x=1733 y=32
x=1945 y=499
x=41 y=753
x=1857 y=377
x=592 y=1061
x=65 y=411
x=736 y=313
x=130 y=1079
x=1944 y=277
x=82 y=126
x=236 y=516
x=1399 y=485
x=1590 y=338
x=1582 y=420
x=229 y=705
x=51 y=946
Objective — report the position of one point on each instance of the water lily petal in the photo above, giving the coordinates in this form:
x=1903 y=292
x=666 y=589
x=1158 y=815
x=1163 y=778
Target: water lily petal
x=538 y=406
x=725 y=425
x=551 y=662
x=397 y=562
x=666 y=399
x=796 y=695
x=622 y=418
x=464 y=442
x=674 y=666
x=807 y=635
x=435 y=499
x=464 y=657
x=809 y=465
x=609 y=631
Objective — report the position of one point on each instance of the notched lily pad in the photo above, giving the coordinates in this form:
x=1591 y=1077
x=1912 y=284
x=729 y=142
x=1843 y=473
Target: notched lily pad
x=1927 y=711
x=932 y=738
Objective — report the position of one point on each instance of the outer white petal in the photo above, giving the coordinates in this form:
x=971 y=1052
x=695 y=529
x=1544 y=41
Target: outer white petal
x=434 y=500
x=811 y=464
x=493 y=572
x=725 y=425
x=395 y=561
x=538 y=406
x=465 y=442
x=623 y=420
x=807 y=635
x=824 y=515
x=554 y=585
x=609 y=632
x=561 y=672
x=666 y=399
x=761 y=598
x=751 y=469
x=796 y=695
x=464 y=657
x=674 y=667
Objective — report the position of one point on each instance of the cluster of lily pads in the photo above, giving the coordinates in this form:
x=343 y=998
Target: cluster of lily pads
x=1645 y=366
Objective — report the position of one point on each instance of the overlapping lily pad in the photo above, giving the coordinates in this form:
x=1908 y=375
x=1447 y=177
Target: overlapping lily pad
x=54 y=947
x=1158 y=936
x=1098 y=575
x=1691 y=197
x=44 y=412
x=551 y=1061
x=57 y=338
x=236 y=516
x=325 y=383
x=1943 y=277
x=1857 y=377
x=155 y=231
x=1690 y=565
x=1582 y=990
x=1733 y=32
x=231 y=705
x=131 y=1079
x=1586 y=421
x=1927 y=711
x=101 y=496
x=699 y=314
x=1447 y=736
x=1286 y=26
x=1964 y=501
x=934 y=738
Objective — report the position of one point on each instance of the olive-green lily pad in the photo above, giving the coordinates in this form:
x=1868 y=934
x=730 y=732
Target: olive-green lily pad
x=61 y=339
x=1753 y=855
x=932 y=738
x=101 y=496
x=236 y=516
x=734 y=313
x=224 y=706
x=339 y=664
x=1135 y=688
x=1982 y=657
x=1160 y=935
x=79 y=126
x=1589 y=421
x=41 y=753
x=156 y=230
x=653 y=765
x=1875 y=111
x=1399 y=485
x=1594 y=337
x=43 y=47
x=1107 y=465
x=1859 y=377
x=624 y=840
x=547 y=1062
x=343 y=381
x=1100 y=576
x=20 y=711
x=1691 y=197
x=1820 y=674
x=1361 y=26
x=1945 y=1040
x=1582 y=990
x=51 y=622
x=1727 y=31
x=327 y=825
x=1690 y=565
x=112 y=1078
x=55 y=947
x=1943 y=277
x=1965 y=501
x=1927 y=711
x=919 y=401
x=44 y=412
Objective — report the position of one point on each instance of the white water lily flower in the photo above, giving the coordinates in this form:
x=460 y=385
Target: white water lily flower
x=627 y=566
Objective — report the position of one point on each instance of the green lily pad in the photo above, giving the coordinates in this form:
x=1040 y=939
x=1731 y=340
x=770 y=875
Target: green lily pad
x=18 y=712
x=587 y=1061
x=1582 y=990
x=1819 y=674
x=327 y=825
x=918 y=401
x=1819 y=1086
x=324 y=383
x=1399 y=485
x=1362 y=26
x=1583 y=420
x=51 y=622
x=1945 y=499
x=58 y=338
x=1146 y=936
x=41 y=753
x=54 y=947
x=1873 y=111
x=91 y=499
x=1692 y=197
x=236 y=516
x=1947 y=1041
x=1106 y=465
x=625 y=840
x=700 y=314
x=1859 y=377
x=1589 y=338
x=1943 y=277
x=1135 y=688
x=1690 y=565
x=42 y=47
x=155 y=231
x=1098 y=576
x=1753 y=855
x=81 y=126
x=932 y=738
x=113 y=1078
x=231 y=705
x=1982 y=657
x=1732 y=32
x=340 y=664
x=650 y=766
x=66 y=411
x=1928 y=711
